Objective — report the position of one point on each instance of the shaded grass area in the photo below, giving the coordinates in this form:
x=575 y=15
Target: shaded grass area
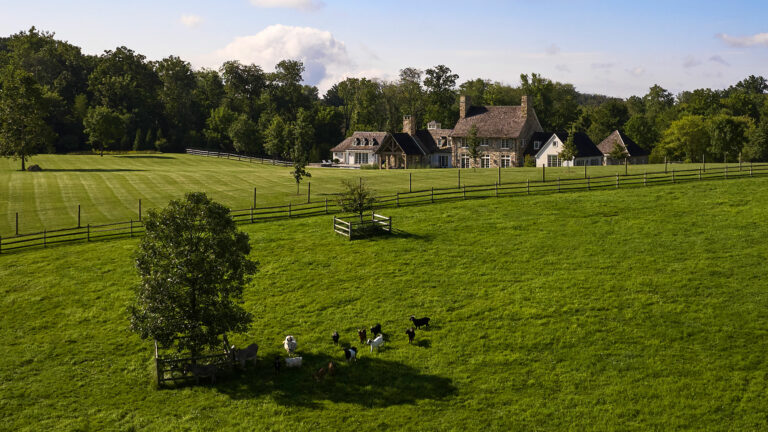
x=108 y=188
x=614 y=310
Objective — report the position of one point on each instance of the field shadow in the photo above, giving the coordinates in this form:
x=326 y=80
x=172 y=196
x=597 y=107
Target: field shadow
x=423 y=343
x=91 y=170
x=369 y=382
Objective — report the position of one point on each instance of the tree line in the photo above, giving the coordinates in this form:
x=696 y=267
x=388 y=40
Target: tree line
x=54 y=98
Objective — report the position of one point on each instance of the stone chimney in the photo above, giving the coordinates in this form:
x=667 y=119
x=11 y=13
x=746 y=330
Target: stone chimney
x=524 y=105
x=464 y=104
x=409 y=125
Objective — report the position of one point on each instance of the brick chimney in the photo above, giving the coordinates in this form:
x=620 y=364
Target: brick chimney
x=409 y=125
x=524 y=105
x=464 y=104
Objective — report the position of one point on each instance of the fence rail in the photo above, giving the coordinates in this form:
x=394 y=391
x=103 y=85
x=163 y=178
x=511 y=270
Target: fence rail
x=235 y=156
x=132 y=228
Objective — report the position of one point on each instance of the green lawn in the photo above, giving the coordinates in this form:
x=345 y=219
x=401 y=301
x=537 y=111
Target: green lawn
x=640 y=309
x=108 y=188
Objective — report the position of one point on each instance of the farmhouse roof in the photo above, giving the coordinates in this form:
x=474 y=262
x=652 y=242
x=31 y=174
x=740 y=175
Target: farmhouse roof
x=584 y=145
x=409 y=145
x=492 y=122
x=430 y=140
x=617 y=136
x=374 y=140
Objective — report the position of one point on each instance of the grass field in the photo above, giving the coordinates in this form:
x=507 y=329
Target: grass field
x=108 y=188
x=638 y=309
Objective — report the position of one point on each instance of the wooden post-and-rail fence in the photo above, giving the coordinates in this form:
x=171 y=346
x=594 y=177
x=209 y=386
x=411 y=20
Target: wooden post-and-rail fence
x=130 y=228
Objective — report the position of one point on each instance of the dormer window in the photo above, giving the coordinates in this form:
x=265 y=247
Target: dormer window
x=536 y=145
x=357 y=141
x=373 y=141
x=365 y=141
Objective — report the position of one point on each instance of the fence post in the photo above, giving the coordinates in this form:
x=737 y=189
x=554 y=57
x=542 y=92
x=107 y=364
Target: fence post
x=739 y=161
x=673 y=175
x=699 y=173
x=139 y=209
x=558 y=184
x=254 y=197
x=326 y=206
x=585 y=170
x=645 y=178
x=665 y=164
x=465 y=192
x=543 y=173
x=588 y=183
x=497 y=189
x=397 y=199
x=703 y=163
x=410 y=182
x=88 y=233
x=458 y=185
x=527 y=186
x=432 y=196
x=498 y=180
x=725 y=172
x=131 y=227
x=750 y=168
x=309 y=189
x=78 y=215
x=617 y=180
x=1 y=244
x=17 y=223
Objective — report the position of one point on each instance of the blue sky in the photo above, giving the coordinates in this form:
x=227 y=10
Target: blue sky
x=619 y=48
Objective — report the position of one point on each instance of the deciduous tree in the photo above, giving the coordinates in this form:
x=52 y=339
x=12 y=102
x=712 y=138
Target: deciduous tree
x=104 y=128
x=193 y=266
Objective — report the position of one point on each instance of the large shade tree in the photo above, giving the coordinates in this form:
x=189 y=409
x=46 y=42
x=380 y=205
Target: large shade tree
x=193 y=264
x=23 y=130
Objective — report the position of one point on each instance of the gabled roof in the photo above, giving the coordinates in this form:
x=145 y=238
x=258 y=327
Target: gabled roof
x=584 y=146
x=409 y=145
x=632 y=149
x=374 y=141
x=430 y=140
x=492 y=122
x=542 y=137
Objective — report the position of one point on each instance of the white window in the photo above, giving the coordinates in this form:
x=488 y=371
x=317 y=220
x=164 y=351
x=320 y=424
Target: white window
x=553 y=161
x=444 y=161
x=361 y=158
x=506 y=161
x=484 y=141
x=580 y=162
x=462 y=143
x=536 y=145
x=485 y=161
x=505 y=143
x=595 y=161
x=465 y=161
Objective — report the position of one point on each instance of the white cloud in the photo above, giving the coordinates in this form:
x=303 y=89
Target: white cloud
x=637 y=71
x=718 y=59
x=603 y=66
x=562 y=68
x=324 y=57
x=691 y=62
x=744 y=41
x=191 y=21
x=306 y=5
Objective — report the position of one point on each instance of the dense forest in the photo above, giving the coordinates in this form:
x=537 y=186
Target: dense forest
x=54 y=98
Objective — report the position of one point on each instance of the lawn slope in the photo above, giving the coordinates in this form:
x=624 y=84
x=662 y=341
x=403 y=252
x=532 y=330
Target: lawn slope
x=614 y=310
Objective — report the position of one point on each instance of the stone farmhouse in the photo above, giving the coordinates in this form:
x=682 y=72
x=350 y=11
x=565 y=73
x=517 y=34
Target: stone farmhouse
x=545 y=148
x=506 y=134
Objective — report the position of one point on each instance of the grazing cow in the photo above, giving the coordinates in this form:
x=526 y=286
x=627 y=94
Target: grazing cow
x=203 y=371
x=331 y=368
x=411 y=334
x=276 y=364
x=293 y=362
x=290 y=345
x=335 y=337
x=376 y=343
x=320 y=374
x=245 y=354
x=376 y=329
x=350 y=354
x=362 y=335
x=418 y=322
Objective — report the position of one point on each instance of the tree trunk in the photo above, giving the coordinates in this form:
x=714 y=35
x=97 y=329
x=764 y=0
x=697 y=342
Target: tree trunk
x=23 y=163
